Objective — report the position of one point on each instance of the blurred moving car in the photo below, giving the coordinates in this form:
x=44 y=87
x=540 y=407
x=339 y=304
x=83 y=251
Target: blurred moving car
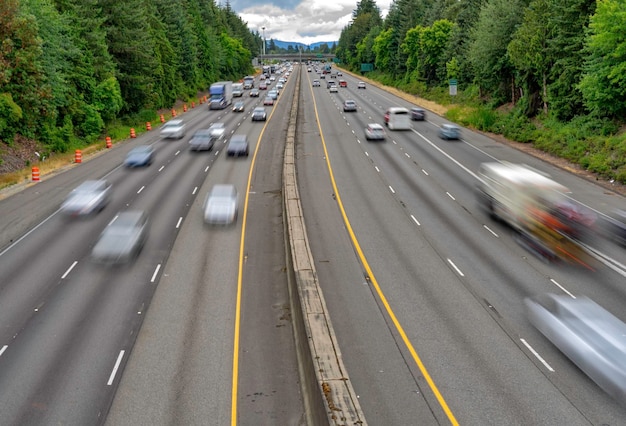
x=202 y=140
x=217 y=130
x=360 y=85
x=589 y=335
x=238 y=146
x=139 y=156
x=89 y=197
x=259 y=114
x=263 y=85
x=316 y=83
x=613 y=227
x=343 y=83
x=254 y=93
x=221 y=205
x=279 y=85
x=273 y=94
x=333 y=89
x=239 y=106
x=122 y=239
x=173 y=129
x=418 y=114
x=268 y=101
x=330 y=83
x=397 y=118
x=449 y=131
x=374 y=131
x=349 y=105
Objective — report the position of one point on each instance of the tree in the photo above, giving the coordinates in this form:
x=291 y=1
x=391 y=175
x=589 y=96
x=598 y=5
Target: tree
x=604 y=82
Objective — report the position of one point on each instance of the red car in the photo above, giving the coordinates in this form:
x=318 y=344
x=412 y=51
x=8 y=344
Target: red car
x=343 y=83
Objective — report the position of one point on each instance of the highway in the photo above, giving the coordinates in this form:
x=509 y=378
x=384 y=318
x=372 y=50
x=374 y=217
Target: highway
x=424 y=290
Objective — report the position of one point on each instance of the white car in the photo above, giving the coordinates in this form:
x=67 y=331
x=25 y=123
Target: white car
x=333 y=89
x=217 y=130
x=89 y=197
x=374 y=131
x=221 y=205
x=173 y=129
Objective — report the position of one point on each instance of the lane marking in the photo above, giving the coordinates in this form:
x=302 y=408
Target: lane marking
x=490 y=230
x=391 y=189
x=162 y=167
x=117 y=365
x=194 y=191
x=534 y=352
x=562 y=288
x=450 y=195
x=458 y=271
x=156 y=271
x=4 y=348
x=415 y=220
x=69 y=270
x=180 y=219
x=140 y=189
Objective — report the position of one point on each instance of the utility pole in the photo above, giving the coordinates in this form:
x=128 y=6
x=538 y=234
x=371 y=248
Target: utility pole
x=264 y=43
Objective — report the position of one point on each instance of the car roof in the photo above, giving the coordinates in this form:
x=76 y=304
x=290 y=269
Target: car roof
x=374 y=126
x=238 y=138
x=259 y=109
x=217 y=125
x=223 y=189
x=175 y=122
x=395 y=110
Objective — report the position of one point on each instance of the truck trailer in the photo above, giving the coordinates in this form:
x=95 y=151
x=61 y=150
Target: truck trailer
x=221 y=94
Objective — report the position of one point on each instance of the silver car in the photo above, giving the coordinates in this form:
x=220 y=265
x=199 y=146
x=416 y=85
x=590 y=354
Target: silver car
x=589 y=335
x=173 y=129
x=202 y=140
x=89 y=197
x=449 y=131
x=122 y=239
x=221 y=205
x=374 y=131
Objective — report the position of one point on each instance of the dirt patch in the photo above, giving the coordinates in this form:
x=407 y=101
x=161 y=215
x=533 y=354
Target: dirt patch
x=22 y=153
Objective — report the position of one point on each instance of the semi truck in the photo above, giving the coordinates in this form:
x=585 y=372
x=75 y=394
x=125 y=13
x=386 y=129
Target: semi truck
x=221 y=94
x=537 y=208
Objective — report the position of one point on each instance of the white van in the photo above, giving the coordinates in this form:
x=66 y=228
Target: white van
x=398 y=118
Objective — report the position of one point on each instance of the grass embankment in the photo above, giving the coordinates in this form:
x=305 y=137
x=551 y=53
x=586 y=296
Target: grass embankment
x=596 y=145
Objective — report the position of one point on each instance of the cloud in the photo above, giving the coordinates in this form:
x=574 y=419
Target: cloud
x=306 y=22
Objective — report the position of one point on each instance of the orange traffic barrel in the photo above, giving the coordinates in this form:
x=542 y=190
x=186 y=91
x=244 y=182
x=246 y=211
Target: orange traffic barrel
x=35 y=174
x=108 y=140
x=173 y=113
x=162 y=119
x=148 y=125
x=78 y=156
x=132 y=132
x=193 y=104
x=184 y=107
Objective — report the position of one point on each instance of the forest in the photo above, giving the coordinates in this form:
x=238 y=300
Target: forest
x=547 y=72
x=69 y=69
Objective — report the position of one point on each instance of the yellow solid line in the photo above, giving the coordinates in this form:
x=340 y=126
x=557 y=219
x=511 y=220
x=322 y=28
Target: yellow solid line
x=379 y=291
x=244 y=219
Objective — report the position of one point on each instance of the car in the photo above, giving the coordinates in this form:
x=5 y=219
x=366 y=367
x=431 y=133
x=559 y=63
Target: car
x=282 y=80
x=316 y=83
x=449 y=131
x=323 y=76
x=361 y=85
x=173 y=129
x=259 y=114
x=202 y=140
x=589 y=335
x=613 y=226
x=238 y=146
x=330 y=83
x=343 y=83
x=308 y=69
x=122 y=239
x=339 y=73
x=279 y=85
x=217 y=130
x=239 y=106
x=139 y=156
x=374 y=131
x=87 y=198
x=262 y=86
x=273 y=94
x=333 y=89
x=417 y=114
x=221 y=205
x=254 y=93
x=349 y=105
x=268 y=101
x=272 y=78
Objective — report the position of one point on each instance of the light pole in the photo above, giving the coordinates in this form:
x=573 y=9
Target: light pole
x=263 y=60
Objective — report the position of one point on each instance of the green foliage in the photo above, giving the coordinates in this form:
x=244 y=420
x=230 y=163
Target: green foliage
x=108 y=98
x=10 y=116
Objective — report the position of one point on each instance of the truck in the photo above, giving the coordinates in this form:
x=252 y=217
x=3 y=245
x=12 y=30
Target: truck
x=248 y=82
x=221 y=94
x=545 y=220
x=237 y=90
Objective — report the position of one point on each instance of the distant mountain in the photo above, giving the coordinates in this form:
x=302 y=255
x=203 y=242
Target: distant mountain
x=294 y=44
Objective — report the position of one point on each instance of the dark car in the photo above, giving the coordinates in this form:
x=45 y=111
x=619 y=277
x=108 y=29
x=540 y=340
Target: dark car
x=139 y=156
x=418 y=114
x=202 y=140
x=259 y=114
x=122 y=239
x=349 y=105
x=239 y=106
x=238 y=146
x=254 y=93
x=89 y=197
x=449 y=131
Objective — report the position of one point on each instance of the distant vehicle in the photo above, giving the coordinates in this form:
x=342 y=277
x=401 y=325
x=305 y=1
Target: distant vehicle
x=374 y=131
x=238 y=146
x=202 y=140
x=333 y=89
x=173 y=129
x=343 y=83
x=273 y=94
x=268 y=101
x=262 y=86
x=217 y=130
x=221 y=205
x=330 y=83
x=361 y=85
x=237 y=90
x=589 y=335
x=279 y=85
x=323 y=76
x=339 y=73
x=449 y=131
x=139 y=156
x=308 y=69
x=397 y=118
x=254 y=93
x=272 y=78
x=248 y=82
x=316 y=83
x=239 y=106
x=418 y=114
x=122 y=239
x=349 y=105
x=221 y=94
x=89 y=197
x=259 y=114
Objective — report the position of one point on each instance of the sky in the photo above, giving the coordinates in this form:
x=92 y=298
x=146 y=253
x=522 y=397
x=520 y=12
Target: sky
x=307 y=21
